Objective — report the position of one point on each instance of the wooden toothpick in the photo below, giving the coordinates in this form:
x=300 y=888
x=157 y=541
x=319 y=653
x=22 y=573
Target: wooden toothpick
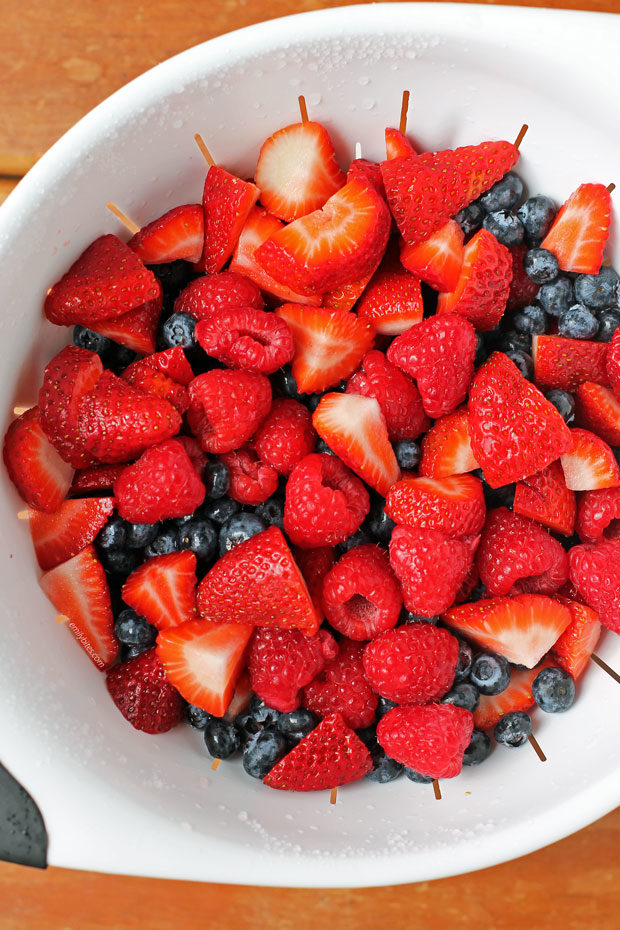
x=519 y=138
x=19 y=410
x=611 y=187
x=404 y=109
x=125 y=220
x=536 y=747
x=208 y=157
x=601 y=664
x=23 y=514
x=437 y=790
x=333 y=795
x=215 y=764
x=303 y=109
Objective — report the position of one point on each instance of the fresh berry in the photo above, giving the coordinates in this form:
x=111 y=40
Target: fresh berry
x=227 y=202
x=246 y=338
x=412 y=664
x=391 y=302
x=163 y=589
x=481 y=292
x=241 y=698
x=437 y=260
x=513 y=729
x=133 y=630
x=595 y=572
x=598 y=409
x=598 y=291
x=563 y=402
x=346 y=296
x=590 y=463
x=178 y=331
x=251 y=480
x=430 y=566
x=221 y=510
x=96 y=478
x=505 y=226
x=578 y=323
x=453 y=505
x=566 y=363
x=61 y=535
x=272 y=510
x=613 y=363
x=598 y=516
x=162 y=484
x=408 y=453
x=134 y=332
x=537 y=215
x=286 y=436
x=167 y=540
x=479 y=748
x=221 y=738
x=430 y=739
x=227 y=407
x=446 y=448
x=361 y=596
x=530 y=321
x=579 y=232
x=173 y=363
x=341 y=688
x=143 y=694
x=397 y=144
x=196 y=717
x=555 y=298
x=179 y=233
x=88 y=339
x=143 y=376
x=227 y=290
x=384 y=769
x=199 y=536
x=314 y=565
x=36 y=469
x=470 y=217
x=541 y=266
x=553 y=689
x=504 y=194
x=395 y=392
x=573 y=649
x=368 y=172
x=490 y=673
x=546 y=499
x=237 y=528
x=463 y=694
x=517 y=696
x=263 y=750
x=282 y=662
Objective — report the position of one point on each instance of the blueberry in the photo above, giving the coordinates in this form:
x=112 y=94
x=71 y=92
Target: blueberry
x=407 y=616
x=221 y=738
x=555 y=298
x=490 y=673
x=113 y=534
x=479 y=593
x=119 y=357
x=578 y=323
x=296 y=724
x=197 y=717
x=88 y=339
x=131 y=652
x=478 y=750
x=264 y=715
x=383 y=705
x=464 y=661
x=608 y=323
x=271 y=511
x=240 y=527
x=178 y=330
x=470 y=218
x=541 y=266
x=220 y=511
x=553 y=690
x=200 y=536
x=368 y=736
x=246 y=727
x=216 y=478
x=408 y=453
x=482 y=350
x=505 y=226
x=499 y=497
x=512 y=341
x=563 y=402
x=384 y=769
x=174 y=276
x=312 y=401
x=523 y=361
x=464 y=695
x=531 y=320
x=166 y=541
x=537 y=215
x=132 y=629
x=513 y=729
x=598 y=290
x=504 y=194
x=321 y=446
x=377 y=524
x=120 y=561
x=138 y=535
x=412 y=775
x=262 y=751
x=359 y=538
x=284 y=384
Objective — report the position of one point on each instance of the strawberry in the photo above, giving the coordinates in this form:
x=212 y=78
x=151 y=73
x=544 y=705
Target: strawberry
x=397 y=145
x=251 y=480
x=545 y=498
x=332 y=246
x=481 y=292
x=595 y=572
x=453 y=505
x=341 y=688
x=163 y=589
x=505 y=412
x=240 y=700
x=580 y=230
x=516 y=696
x=106 y=281
x=118 y=422
x=361 y=595
x=613 y=364
x=204 y=661
x=328 y=345
x=599 y=515
x=204 y=296
x=392 y=301
x=573 y=649
x=430 y=566
x=161 y=485
x=347 y=295
x=521 y=628
x=142 y=375
x=567 y=363
x=355 y=429
x=137 y=329
x=226 y=202
x=430 y=739
x=446 y=448
x=281 y=662
x=331 y=755
x=590 y=463
x=523 y=290
x=78 y=589
x=246 y=338
x=59 y=536
x=413 y=664
x=314 y=565
x=395 y=392
x=36 y=469
x=368 y=172
x=97 y=478
x=172 y=363
x=297 y=171
x=598 y=409
x=438 y=259
x=179 y=233
x=144 y=696
x=227 y=407
x=259 y=583
x=424 y=191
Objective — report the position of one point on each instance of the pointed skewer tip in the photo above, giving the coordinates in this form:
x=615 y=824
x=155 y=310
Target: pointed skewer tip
x=333 y=795
x=125 y=220
x=206 y=154
x=404 y=109
x=303 y=109
x=215 y=764
x=519 y=138
x=437 y=790
x=606 y=668
x=536 y=747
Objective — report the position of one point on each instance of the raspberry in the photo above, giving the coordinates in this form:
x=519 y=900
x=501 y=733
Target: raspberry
x=439 y=354
x=286 y=436
x=314 y=564
x=598 y=515
x=518 y=556
x=453 y=505
x=251 y=482
x=227 y=407
x=595 y=572
x=342 y=688
x=204 y=296
x=162 y=484
x=613 y=363
x=198 y=458
x=325 y=502
x=246 y=338
x=361 y=595
x=431 y=739
x=430 y=566
x=281 y=662
x=395 y=393
x=522 y=289
x=412 y=664
x=142 y=693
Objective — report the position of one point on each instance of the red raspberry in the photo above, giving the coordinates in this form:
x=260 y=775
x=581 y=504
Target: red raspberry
x=286 y=436
x=251 y=482
x=281 y=662
x=518 y=556
x=142 y=693
x=325 y=503
x=204 y=296
x=227 y=407
x=361 y=595
x=412 y=664
x=198 y=458
x=395 y=393
x=161 y=485
x=439 y=354
x=598 y=515
x=613 y=363
x=522 y=289
x=430 y=566
x=314 y=564
x=453 y=505
x=595 y=572
x=431 y=739
x=246 y=338
x=342 y=688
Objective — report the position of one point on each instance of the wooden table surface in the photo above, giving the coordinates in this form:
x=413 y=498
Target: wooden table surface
x=58 y=58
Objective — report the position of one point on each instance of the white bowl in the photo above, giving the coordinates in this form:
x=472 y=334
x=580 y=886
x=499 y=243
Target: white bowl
x=115 y=800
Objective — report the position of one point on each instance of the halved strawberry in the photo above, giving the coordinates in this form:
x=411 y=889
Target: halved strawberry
x=147 y=378
x=329 y=345
x=482 y=289
x=227 y=202
x=97 y=478
x=523 y=290
x=36 y=469
x=355 y=429
x=78 y=589
x=590 y=463
x=567 y=363
x=61 y=535
x=544 y=497
x=580 y=230
x=392 y=301
x=345 y=296
x=240 y=700
x=163 y=589
x=438 y=259
x=517 y=696
x=613 y=364
x=397 y=144
x=446 y=448
x=453 y=505
x=173 y=363
x=578 y=641
x=137 y=329
x=368 y=172
x=598 y=409
x=179 y=233
x=297 y=170
x=333 y=246
x=204 y=660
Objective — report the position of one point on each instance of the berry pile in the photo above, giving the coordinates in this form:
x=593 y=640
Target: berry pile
x=330 y=469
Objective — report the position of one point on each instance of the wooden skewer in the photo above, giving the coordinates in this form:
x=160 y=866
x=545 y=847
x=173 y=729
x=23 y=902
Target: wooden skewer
x=208 y=157
x=19 y=410
x=358 y=150
x=303 y=109
x=404 y=109
x=437 y=790
x=215 y=764
x=599 y=662
x=611 y=187
x=23 y=514
x=519 y=138
x=536 y=748
x=333 y=795
x=61 y=618
x=125 y=220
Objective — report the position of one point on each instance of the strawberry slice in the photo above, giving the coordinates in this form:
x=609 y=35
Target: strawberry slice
x=144 y=696
x=521 y=628
x=567 y=363
x=590 y=463
x=481 y=292
x=78 y=589
x=333 y=246
x=163 y=589
x=331 y=755
x=345 y=296
x=179 y=233
x=446 y=448
x=297 y=171
x=137 y=329
x=598 y=409
x=368 y=172
x=392 y=302
x=355 y=429
x=453 y=505
x=97 y=478
x=226 y=201
x=106 y=281
x=579 y=640
x=61 y=535
x=437 y=260
x=580 y=230
x=143 y=375
x=173 y=363
x=397 y=145
x=240 y=700
x=329 y=345
x=613 y=364
x=517 y=696
x=36 y=469
x=545 y=498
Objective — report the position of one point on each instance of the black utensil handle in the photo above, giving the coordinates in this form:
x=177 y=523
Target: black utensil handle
x=23 y=837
